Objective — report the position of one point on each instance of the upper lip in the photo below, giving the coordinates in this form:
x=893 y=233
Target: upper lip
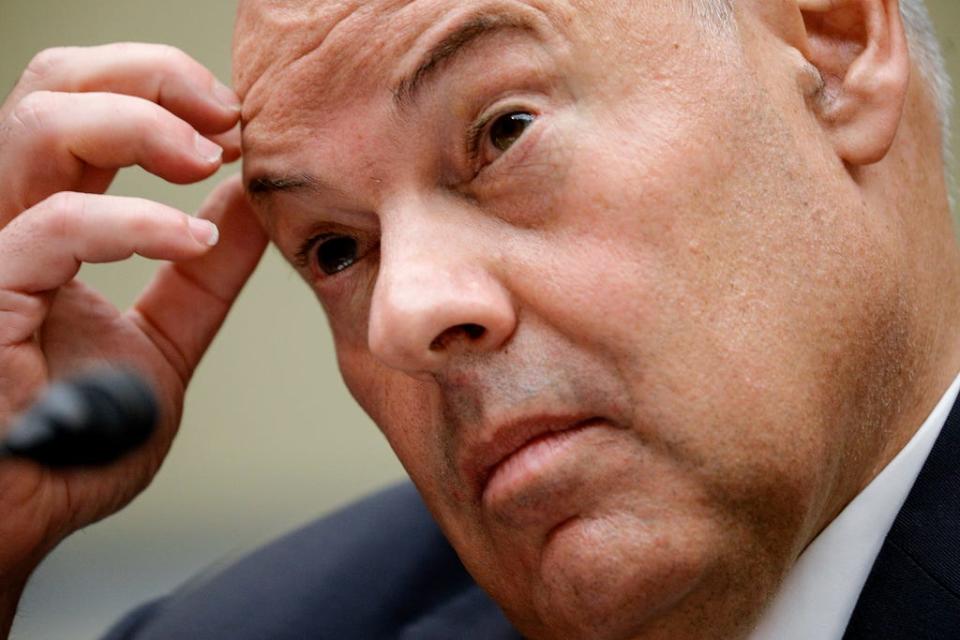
x=498 y=441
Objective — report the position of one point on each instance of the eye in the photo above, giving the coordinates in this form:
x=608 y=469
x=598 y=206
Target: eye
x=491 y=137
x=328 y=254
x=507 y=129
x=336 y=253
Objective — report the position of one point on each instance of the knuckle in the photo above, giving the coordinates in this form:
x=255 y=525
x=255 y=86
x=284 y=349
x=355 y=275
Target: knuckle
x=147 y=218
x=174 y=63
x=181 y=222
x=159 y=129
x=145 y=117
x=45 y=62
x=62 y=213
x=33 y=111
x=173 y=58
x=156 y=118
x=143 y=223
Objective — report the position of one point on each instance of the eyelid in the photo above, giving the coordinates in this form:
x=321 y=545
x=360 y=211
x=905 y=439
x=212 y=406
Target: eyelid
x=478 y=130
x=302 y=256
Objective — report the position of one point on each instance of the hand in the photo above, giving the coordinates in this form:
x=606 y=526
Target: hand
x=74 y=119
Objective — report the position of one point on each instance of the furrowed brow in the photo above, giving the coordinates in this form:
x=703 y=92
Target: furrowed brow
x=476 y=29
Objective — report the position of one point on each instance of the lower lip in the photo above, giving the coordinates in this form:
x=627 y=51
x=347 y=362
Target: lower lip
x=532 y=461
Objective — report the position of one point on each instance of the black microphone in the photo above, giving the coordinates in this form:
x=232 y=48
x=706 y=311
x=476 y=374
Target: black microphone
x=91 y=420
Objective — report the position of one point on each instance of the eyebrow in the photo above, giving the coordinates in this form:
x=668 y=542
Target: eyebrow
x=266 y=185
x=472 y=32
x=477 y=28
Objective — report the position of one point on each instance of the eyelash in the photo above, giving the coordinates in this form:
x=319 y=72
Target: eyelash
x=303 y=256
x=477 y=132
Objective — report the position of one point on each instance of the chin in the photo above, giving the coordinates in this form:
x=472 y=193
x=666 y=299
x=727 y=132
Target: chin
x=614 y=578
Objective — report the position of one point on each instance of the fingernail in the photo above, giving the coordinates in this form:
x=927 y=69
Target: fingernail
x=209 y=151
x=226 y=96
x=204 y=231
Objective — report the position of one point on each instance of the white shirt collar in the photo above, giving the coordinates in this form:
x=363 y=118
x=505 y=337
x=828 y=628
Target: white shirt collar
x=820 y=592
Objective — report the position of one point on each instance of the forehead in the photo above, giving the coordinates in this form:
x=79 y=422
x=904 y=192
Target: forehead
x=332 y=52
x=274 y=37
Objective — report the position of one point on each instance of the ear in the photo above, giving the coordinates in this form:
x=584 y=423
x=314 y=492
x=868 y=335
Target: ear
x=860 y=48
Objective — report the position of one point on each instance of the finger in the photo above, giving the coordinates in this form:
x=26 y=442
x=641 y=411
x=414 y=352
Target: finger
x=229 y=141
x=158 y=73
x=185 y=305
x=43 y=249
x=79 y=136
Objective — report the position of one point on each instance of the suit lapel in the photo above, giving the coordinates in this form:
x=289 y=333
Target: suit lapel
x=913 y=590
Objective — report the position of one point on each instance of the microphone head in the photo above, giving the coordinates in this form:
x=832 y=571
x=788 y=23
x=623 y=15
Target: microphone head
x=85 y=421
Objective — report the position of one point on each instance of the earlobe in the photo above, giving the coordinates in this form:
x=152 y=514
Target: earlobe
x=860 y=49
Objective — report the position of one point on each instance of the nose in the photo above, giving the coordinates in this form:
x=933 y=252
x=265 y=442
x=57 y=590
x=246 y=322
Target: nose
x=434 y=300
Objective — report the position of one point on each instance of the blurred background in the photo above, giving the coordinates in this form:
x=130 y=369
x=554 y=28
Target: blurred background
x=270 y=438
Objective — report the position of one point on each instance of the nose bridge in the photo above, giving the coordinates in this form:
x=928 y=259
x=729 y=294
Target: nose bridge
x=438 y=293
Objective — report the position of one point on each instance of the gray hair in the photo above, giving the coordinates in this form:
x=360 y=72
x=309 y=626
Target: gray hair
x=929 y=58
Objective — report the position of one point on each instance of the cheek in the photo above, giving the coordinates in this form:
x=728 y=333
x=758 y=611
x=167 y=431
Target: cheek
x=692 y=280
x=394 y=401
x=406 y=411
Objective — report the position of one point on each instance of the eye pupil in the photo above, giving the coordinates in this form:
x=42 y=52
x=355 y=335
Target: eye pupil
x=507 y=129
x=336 y=254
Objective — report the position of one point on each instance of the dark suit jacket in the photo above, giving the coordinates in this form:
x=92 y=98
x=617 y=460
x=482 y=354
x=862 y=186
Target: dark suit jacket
x=913 y=591
x=381 y=569
x=376 y=570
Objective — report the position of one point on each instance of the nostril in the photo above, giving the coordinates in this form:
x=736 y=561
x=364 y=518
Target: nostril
x=472 y=332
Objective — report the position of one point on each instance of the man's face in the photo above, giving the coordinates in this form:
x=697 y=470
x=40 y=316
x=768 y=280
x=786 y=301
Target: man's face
x=597 y=277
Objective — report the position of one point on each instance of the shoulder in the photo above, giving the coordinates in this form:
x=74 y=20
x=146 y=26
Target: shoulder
x=378 y=569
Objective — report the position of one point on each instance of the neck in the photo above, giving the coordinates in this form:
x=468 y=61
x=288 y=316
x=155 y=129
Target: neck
x=933 y=299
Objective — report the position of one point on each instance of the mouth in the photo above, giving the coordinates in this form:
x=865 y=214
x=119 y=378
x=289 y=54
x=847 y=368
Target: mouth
x=513 y=449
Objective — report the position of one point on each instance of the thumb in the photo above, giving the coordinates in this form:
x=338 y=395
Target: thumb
x=185 y=305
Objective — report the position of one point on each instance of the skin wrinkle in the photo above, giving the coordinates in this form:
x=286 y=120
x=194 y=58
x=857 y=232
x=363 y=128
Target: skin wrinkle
x=674 y=244
x=285 y=50
x=473 y=30
x=287 y=18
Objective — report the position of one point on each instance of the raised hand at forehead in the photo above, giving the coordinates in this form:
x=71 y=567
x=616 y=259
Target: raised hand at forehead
x=76 y=117
x=80 y=114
